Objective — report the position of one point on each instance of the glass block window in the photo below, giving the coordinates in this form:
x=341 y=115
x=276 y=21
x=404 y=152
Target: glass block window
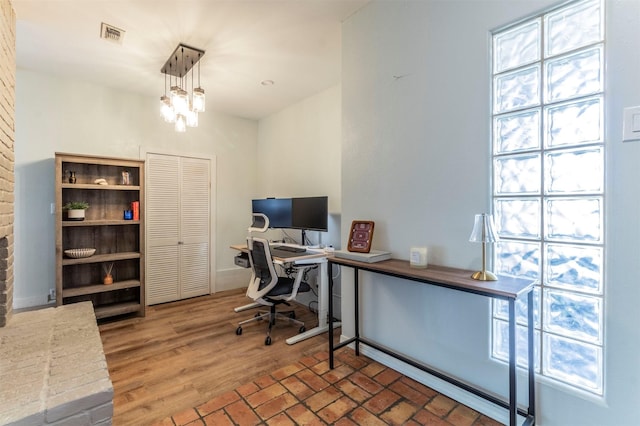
x=548 y=154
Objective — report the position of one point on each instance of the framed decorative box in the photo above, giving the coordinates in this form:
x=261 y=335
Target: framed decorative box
x=360 y=236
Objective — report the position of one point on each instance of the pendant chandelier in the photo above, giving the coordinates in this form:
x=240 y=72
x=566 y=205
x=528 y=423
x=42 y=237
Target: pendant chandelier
x=179 y=107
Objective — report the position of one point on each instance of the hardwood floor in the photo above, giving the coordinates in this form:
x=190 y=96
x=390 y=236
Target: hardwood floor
x=184 y=353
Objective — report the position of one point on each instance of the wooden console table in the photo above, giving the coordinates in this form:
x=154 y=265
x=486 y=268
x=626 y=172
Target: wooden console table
x=506 y=288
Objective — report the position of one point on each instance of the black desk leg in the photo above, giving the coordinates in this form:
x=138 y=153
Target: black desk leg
x=513 y=402
x=356 y=274
x=532 y=360
x=330 y=279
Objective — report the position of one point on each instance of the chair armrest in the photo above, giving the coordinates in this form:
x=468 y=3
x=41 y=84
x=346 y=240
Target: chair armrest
x=300 y=269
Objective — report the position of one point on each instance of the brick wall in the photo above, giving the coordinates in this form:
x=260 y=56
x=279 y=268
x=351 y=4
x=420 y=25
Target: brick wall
x=54 y=371
x=7 y=137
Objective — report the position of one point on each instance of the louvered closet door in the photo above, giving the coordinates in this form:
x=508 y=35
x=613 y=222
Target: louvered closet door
x=162 y=219
x=178 y=199
x=194 y=227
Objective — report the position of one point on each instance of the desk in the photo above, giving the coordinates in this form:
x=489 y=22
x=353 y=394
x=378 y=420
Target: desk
x=506 y=288
x=324 y=294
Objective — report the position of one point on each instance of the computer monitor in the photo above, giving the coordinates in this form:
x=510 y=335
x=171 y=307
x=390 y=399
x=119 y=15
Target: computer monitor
x=310 y=213
x=304 y=213
x=278 y=210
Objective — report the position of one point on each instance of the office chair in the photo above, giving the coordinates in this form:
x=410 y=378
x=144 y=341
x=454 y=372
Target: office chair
x=259 y=223
x=268 y=289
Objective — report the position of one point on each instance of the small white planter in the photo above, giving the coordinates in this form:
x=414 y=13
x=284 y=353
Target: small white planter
x=75 y=214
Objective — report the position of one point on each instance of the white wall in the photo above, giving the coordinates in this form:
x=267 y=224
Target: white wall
x=299 y=155
x=415 y=159
x=60 y=115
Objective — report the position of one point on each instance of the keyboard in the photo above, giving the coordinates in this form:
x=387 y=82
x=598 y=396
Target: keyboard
x=289 y=249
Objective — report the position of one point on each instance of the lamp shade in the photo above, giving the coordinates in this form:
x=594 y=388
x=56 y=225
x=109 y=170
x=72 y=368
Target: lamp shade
x=191 y=118
x=180 y=101
x=181 y=123
x=166 y=110
x=483 y=229
x=198 y=99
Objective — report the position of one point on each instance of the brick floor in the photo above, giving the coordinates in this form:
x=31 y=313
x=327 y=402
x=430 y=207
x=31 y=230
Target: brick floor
x=359 y=391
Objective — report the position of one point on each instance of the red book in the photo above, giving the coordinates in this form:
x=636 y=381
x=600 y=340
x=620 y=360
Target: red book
x=135 y=206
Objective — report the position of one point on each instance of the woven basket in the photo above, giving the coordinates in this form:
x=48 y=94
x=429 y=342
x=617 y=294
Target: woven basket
x=80 y=252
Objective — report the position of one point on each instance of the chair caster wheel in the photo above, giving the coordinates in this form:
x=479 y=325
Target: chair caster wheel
x=239 y=330
x=292 y=315
x=258 y=316
x=302 y=329
x=267 y=341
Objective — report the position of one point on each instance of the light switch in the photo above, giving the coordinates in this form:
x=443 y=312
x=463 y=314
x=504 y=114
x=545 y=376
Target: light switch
x=635 y=126
x=631 y=124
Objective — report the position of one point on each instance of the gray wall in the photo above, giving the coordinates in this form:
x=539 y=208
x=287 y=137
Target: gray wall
x=415 y=159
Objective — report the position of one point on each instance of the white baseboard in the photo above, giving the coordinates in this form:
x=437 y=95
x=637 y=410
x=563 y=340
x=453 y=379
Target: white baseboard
x=31 y=302
x=230 y=279
x=467 y=398
x=226 y=279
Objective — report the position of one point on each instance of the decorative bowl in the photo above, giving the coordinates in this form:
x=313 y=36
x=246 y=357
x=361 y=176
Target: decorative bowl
x=80 y=252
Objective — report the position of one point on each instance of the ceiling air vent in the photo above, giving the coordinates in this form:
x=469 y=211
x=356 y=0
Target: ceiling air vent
x=111 y=33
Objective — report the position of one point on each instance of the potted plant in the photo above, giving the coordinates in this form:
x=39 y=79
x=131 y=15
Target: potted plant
x=75 y=209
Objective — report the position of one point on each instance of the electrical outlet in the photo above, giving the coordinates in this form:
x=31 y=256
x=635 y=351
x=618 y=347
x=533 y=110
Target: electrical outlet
x=52 y=294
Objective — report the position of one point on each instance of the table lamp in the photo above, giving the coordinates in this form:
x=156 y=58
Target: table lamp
x=483 y=232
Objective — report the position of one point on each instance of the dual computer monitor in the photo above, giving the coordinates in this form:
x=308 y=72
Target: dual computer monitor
x=306 y=213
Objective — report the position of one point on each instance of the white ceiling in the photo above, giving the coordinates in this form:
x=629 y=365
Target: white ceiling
x=294 y=43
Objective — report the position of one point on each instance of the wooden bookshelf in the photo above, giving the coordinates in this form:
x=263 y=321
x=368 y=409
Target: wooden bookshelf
x=117 y=241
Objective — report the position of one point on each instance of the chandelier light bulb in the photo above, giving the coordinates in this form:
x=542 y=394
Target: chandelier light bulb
x=198 y=99
x=181 y=123
x=166 y=111
x=180 y=102
x=192 y=118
